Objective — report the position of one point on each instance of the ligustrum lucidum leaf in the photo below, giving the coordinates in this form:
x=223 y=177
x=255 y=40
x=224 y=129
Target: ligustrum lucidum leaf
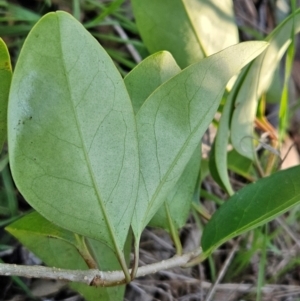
x=149 y=75
x=256 y=81
x=173 y=119
x=5 y=79
x=140 y=83
x=59 y=248
x=252 y=206
x=72 y=134
x=189 y=29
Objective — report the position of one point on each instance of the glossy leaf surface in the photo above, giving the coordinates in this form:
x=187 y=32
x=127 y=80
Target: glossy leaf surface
x=72 y=133
x=58 y=247
x=252 y=206
x=149 y=75
x=189 y=29
x=5 y=80
x=257 y=81
x=173 y=119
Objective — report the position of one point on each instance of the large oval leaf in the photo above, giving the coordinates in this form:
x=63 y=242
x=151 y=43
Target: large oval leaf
x=35 y=232
x=252 y=206
x=173 y=119
x=189 y=29
x=5 y=79
x=256 y=81
x=72 y=133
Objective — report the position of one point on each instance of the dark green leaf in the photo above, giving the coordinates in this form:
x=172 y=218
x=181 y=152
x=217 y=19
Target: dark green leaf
x=5 y=79
x=240 y=164
x=252 y=206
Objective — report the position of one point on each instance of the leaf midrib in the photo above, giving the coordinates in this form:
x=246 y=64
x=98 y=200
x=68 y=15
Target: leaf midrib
x=165 y=177
x=91 y=172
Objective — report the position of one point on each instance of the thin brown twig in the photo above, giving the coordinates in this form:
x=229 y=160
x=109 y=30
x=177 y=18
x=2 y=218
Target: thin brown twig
x=287 y=229
x=223 y=270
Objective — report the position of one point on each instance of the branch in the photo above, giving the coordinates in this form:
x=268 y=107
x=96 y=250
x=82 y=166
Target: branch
x=94 y=277
x=132 y=50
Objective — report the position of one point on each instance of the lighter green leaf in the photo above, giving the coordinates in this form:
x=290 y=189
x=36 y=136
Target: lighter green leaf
x=189 y=29
x=5 y=79
x=178 y=202
x=245 y=111
x=58 y=247
x=257 y=81
x=149 y=75
x=213 y=22
x=252 y=206
x=173 y=119
x=140 y=83
x=218 y=154
x=72 y=133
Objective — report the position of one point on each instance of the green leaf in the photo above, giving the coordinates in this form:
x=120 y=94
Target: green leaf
x=19 y=13
x=289 y=66
x=176 y=208
x=257 y=80
x=218 y=155
x=273 y=94
x=59 y=248
x=141 y=82
x=251 y=207
x=173 y=119
x=217 y=167
x=5 y=80
x=15 y=30
x=72 y=133
x=107 y=10
x=204 y=172
x=189 y=29
x=240 y=164
x=149 y=75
